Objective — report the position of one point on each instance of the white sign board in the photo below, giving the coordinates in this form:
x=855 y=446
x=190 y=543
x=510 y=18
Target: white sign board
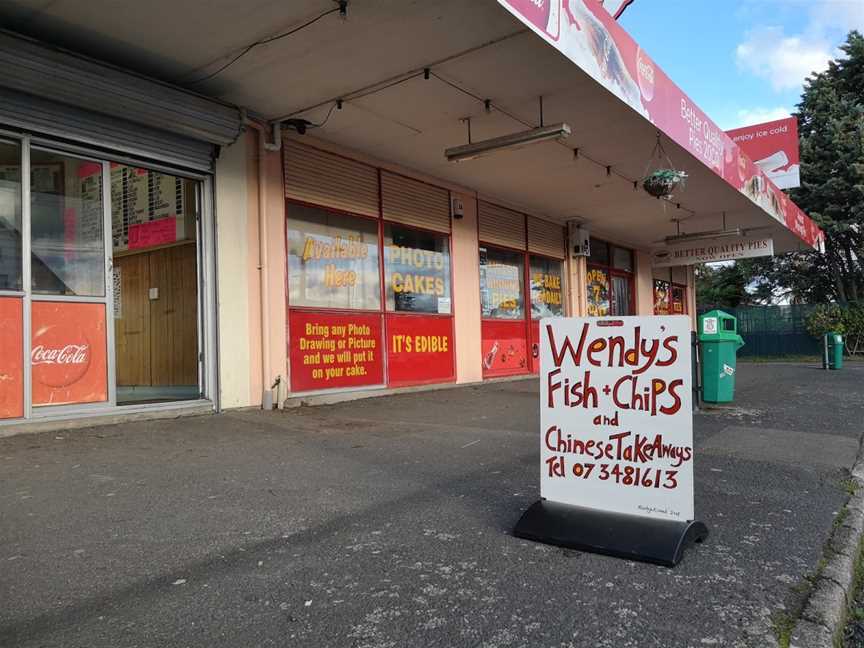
x=616 y=420
x=711 y=250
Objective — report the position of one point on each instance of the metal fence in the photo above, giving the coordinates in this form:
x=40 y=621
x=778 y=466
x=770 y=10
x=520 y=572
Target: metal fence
x=773 y=330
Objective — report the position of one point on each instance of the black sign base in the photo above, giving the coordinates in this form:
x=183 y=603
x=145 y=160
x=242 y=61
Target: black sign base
x=633 y=537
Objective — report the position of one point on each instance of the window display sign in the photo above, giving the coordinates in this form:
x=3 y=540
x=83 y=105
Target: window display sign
x=616 y=422
x=417 y=271
x=333 y=350
x=332 y=260
x=419 y=350
x=662 y=290
x=597 y=292
x=504 y=348
x=501 y=283
x=547 y=297
x=11 y=358
x=68 y=353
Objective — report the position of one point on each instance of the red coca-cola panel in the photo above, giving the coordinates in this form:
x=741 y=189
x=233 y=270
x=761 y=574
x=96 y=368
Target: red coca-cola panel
x=11 y=358
x=334 y=350
x=68 y=353
x=504 y=348
x=419 y=350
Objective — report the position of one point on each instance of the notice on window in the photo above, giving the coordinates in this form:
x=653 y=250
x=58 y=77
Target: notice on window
x=329 y=351
x=616 y=421
x=419 y=349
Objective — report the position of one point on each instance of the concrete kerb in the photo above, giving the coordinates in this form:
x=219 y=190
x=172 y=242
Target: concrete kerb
x=824 y=616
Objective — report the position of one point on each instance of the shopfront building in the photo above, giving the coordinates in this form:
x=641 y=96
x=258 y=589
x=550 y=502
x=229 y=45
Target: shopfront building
x=106 y=235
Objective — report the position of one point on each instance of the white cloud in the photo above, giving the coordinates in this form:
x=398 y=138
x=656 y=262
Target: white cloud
x=750 y=116
x=785 y=61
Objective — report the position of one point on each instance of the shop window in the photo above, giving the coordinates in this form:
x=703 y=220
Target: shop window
x=609 y=282
x=332 y=260
x=598 y=292
x=416 y=270
x=10 y=216
x=622 y=259
x=67 y=246
x=678 y=300
x=662 y=291
x=502 y=283
x=547 y=296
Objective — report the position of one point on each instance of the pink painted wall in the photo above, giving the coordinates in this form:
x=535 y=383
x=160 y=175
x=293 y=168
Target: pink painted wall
x=466 y=292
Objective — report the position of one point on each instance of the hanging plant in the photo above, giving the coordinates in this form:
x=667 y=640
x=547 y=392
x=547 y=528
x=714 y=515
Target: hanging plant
x=663 y=181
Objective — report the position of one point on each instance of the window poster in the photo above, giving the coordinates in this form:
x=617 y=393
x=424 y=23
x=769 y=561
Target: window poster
x=332 y=260
x=333 y=350
x=547 y=297
x=419 y=350
x=504 y=348
x=662 y=291
x=597 y=292
x=417 y=271
x=501 y=284
x=68 y=353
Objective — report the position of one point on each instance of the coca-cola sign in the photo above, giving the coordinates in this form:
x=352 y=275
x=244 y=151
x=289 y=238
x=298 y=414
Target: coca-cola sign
x=68 y=353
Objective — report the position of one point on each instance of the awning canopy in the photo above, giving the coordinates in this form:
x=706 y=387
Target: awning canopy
x=374 y=61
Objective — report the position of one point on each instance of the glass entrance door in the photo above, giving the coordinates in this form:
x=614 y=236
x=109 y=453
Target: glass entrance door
x=68 y=333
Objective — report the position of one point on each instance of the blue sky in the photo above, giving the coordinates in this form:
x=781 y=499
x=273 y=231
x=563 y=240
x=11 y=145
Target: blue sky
x=742 y=61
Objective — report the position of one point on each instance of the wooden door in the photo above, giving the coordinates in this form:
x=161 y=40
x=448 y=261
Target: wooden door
x=174 y=316
x=132 y=327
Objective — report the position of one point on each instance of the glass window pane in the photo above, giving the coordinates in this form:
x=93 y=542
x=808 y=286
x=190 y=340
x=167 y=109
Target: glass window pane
x=622 y=259
x=10 y=216
x=502 y=283
x=599 y=252
x=597 y=292
x=67 y=249
x=678 y=300
x=547 y=296
x=417 y=270
x=332 y=260
x=622 y=293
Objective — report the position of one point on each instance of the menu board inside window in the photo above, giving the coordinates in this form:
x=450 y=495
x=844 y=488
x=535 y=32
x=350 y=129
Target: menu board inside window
x=597 y=292
x=502 y=283
x=416 y=271
x=332 y=260
x=546 y=288
x=662 y=291
x=148 y=208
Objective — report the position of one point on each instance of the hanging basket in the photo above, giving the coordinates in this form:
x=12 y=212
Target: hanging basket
x=663 y=182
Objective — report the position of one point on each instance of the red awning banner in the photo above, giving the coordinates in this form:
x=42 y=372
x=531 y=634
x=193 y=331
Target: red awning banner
x=590 y=37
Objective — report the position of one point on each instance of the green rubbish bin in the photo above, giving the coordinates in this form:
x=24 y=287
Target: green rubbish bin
x=834 y=345
x=718 y=343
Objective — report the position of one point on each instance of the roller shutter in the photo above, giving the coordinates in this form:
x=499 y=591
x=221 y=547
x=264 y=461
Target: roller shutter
x=58 y=93
x=545 y=238
x=414 y=203
x=501 y=226
x=322 y=178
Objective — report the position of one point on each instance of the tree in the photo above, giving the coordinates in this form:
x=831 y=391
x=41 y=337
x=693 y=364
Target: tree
x=831 y=132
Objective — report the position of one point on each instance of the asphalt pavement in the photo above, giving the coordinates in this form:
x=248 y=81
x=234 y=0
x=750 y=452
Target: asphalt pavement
x=388 y=522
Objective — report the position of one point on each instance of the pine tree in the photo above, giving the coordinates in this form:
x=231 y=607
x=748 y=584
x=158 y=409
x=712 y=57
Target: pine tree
x=831 y=131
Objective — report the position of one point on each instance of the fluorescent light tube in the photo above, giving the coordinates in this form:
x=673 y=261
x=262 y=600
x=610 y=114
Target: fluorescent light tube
x=505 y=142
x=700 y=236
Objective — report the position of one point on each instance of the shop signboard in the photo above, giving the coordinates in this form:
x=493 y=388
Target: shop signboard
x=11 y=358
x=616 y=422
x=419 y=350
x=68 y=353
x=774 y=147
x=334 y=350
x=585 y=33
x=712 y=250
